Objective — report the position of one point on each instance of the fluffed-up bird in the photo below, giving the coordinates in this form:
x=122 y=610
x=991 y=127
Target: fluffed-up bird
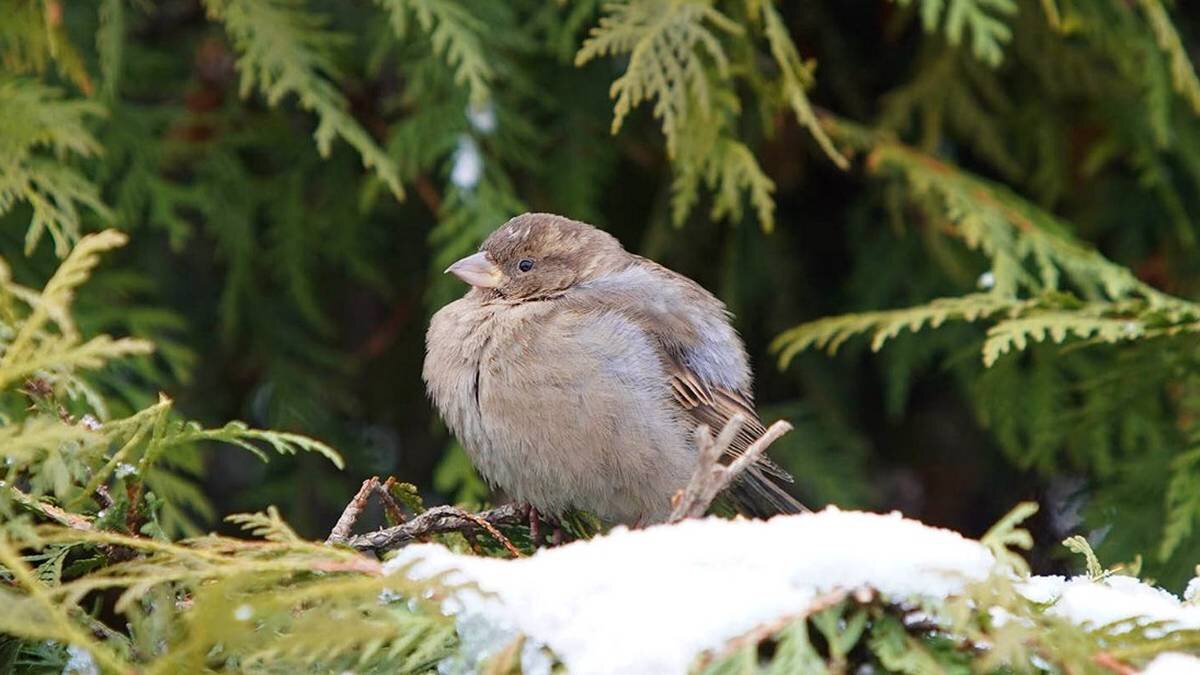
x=574 y=373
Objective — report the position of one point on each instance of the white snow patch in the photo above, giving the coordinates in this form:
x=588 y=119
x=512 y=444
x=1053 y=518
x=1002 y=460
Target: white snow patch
x=1173 y=663
x=665 y=594
x=1193 y=587
x=482 y=117
x=243 y=612
x=467 y=168
x=668 y=593
x=80 y=662
x=1114 y=598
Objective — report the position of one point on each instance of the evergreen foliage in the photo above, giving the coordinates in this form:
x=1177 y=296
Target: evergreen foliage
x=283 y=51
x=998 y=197
x=40 y=122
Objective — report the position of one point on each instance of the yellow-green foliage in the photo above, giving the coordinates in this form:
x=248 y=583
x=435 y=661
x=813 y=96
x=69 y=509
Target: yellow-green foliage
x=44 y=340
x=455 y=34
x=41 y=130
x=1042 y=285
x=217 y=602
x=108 y=492
x=671 y=46
x=67 y=458
x=984 y=20
x=1183 y=75
x=681 y=61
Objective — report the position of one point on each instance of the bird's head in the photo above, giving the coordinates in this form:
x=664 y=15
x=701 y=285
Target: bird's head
x=539 y=254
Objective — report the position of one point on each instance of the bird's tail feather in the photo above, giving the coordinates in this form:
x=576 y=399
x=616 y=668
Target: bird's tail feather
x=756 y=495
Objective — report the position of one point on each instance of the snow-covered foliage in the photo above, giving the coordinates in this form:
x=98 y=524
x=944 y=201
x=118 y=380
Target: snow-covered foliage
x=1112 y=599
x=666 y=598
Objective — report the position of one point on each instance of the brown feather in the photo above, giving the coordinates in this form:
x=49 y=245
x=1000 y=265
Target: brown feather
x=714 y=407
x=702 y=402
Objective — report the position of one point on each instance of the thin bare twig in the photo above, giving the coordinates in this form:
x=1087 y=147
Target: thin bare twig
x=491 y=529
x=394 y=514
x=437 y=520
x=341 y=531
x=58 y=515
x=433 y=521
x=1112 y=663
x=712 y=477
x=535 y=526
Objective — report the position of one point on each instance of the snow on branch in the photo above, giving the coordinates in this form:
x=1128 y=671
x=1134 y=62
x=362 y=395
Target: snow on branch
x=668 y=593
x=679 y=597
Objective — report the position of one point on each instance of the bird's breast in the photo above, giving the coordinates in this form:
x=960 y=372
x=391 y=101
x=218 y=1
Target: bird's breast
x=578 y=412
x=561 y=409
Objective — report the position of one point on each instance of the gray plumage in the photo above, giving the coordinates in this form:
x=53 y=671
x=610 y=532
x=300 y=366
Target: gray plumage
x=578 y=382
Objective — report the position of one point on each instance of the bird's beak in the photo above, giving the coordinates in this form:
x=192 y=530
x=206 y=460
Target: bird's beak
x=477 y=270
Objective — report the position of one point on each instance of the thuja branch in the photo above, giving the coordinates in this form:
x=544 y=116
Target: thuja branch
x=59 y=621
x=50 y=511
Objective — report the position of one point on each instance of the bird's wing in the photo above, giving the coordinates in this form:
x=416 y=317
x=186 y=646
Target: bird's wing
x=714 y=406
x=710 y=376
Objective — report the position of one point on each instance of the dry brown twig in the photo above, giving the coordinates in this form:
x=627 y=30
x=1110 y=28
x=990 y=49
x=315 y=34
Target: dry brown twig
x=394 y=513
x=341 y=531
x=439 y=520
x=711 y=476
x=1112 y=663
x=491 y=529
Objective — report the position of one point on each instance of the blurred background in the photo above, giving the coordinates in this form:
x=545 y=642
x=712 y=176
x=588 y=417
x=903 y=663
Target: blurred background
x=287 y=285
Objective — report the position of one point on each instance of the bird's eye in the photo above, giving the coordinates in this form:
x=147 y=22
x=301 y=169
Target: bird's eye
x=525 y=265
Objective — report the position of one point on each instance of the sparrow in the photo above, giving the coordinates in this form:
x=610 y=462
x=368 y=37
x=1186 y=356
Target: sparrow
x=575 y=373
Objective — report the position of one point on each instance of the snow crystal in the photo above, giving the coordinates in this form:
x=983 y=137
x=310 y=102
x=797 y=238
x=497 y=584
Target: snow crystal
x=124 y=470
x=1173 y=663
x=987 y=280
x=670 y=592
